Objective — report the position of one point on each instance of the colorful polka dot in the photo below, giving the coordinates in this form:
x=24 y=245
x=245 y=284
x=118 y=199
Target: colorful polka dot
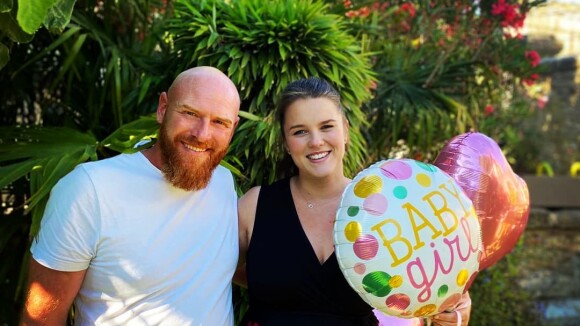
x=396 y=170
x=353 y=211
x=366 y=247
x=398 y=301
x=352 y=231
x=423 y=179
x=443 y=290
x=426 y=166
x=462 y=277
x=377 y=283
x=360 y=268
x=396 y=281
x=375 y=204
x=424 y=311
x=400 y=192
x=368 y=185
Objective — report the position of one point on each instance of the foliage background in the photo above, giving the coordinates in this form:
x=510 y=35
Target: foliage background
x=80 y=83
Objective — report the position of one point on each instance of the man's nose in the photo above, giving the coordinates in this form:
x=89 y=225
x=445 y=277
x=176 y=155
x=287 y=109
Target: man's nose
x=201 y=130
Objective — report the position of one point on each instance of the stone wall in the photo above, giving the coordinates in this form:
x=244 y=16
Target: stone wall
x=550 y=264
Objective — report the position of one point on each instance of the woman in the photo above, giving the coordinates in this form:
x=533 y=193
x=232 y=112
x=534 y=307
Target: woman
x=286 y=228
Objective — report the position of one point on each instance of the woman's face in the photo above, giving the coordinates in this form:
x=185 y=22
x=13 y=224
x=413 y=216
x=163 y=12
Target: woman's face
x=316 y=135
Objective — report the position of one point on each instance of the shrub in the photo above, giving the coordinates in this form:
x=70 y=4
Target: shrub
x=263 y=45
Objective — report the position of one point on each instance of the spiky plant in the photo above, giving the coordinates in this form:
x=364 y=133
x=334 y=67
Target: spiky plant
x=262 y=46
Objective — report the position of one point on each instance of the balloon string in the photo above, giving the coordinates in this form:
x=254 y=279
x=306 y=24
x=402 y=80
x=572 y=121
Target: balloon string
x=458 y=317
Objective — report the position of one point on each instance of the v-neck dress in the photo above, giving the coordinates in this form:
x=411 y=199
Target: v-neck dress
x=287 y=285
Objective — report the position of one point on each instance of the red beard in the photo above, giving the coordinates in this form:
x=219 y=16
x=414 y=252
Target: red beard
x=184 y=173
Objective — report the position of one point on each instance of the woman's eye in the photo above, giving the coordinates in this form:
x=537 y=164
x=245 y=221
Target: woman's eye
x=327 y=126
x=299 y=132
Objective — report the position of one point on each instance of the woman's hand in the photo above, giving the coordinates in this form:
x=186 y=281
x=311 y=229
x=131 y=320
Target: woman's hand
x=459 y=316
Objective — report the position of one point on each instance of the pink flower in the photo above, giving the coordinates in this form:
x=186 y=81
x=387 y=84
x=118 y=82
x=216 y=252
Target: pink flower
x=533 y=57
x=542 y=102
x=531 y=80
x=351 y=13
x=510 y=14
x=364 y=11
x=409 y=8
x=489 y=109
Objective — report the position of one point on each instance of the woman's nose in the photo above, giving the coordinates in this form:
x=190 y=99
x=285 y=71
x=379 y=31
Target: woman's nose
x=316 y=139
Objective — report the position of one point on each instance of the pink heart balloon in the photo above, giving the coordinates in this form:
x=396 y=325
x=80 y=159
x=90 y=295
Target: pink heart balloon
x=500 y=197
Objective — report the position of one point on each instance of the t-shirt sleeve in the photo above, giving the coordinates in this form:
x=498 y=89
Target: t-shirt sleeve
x=69 y=229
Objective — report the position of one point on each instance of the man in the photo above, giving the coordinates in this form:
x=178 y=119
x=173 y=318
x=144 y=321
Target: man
x=148 y=238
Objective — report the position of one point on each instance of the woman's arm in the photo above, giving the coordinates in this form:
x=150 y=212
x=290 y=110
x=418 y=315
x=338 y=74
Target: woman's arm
x=246 y=216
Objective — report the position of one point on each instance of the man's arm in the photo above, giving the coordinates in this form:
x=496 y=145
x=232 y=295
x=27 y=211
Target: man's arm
x=50 y=294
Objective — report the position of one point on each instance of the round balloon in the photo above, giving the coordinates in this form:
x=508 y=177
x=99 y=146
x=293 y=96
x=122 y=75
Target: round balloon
x=500 y=196
x=407 y=238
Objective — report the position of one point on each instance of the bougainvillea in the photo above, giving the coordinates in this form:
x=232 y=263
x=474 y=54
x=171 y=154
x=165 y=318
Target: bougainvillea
x=463 y=59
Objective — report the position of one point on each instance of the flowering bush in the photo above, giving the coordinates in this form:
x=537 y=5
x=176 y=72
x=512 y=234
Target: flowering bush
x=445 y=67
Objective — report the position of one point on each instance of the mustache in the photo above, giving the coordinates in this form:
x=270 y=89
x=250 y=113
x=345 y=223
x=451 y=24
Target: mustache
x=193 y=141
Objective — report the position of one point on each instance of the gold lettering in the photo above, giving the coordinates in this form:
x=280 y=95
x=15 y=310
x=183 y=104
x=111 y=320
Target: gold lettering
x=439 y=211
x=389 y=242
x=411 y=212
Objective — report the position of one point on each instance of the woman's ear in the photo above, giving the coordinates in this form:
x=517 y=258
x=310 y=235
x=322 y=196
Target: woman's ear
x=346 y=128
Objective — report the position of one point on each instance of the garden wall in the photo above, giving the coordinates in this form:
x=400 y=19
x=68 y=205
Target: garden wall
x=550 y=263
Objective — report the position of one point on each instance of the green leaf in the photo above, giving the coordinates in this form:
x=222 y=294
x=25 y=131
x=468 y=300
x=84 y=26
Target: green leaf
x=4 y=55
x=31 y=13
x=6 y=5
x=125 y=139
x=70 y=58
x=13 y=172
x=9 y=26
x=59 y=16
x=46 y=154
x=52 y=170
x=249 y=116
x=19 y=143
x=68 y=34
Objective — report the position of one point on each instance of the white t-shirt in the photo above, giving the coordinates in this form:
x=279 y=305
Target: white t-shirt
x=155 y=254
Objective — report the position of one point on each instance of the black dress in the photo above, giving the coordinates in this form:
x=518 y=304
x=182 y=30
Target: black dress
x=287 y=285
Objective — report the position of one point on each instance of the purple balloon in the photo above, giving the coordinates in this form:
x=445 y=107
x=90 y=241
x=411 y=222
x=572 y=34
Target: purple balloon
x=386 y=320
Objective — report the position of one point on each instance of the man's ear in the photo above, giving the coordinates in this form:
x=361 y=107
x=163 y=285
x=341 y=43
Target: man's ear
x=161 y=106
x=234 y=128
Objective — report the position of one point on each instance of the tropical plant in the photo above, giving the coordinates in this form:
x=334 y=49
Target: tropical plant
x=439 y=66
x=68 y=98
x=263 y=46
x=19 y=21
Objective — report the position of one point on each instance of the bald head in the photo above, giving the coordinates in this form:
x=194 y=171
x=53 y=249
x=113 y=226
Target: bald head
x=203 y=77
